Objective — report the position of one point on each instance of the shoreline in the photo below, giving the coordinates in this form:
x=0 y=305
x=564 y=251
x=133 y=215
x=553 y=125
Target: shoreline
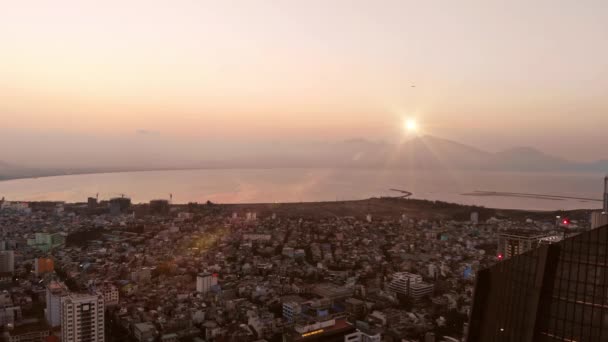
x=80 y=172
x=78 y=189
x=380 y=209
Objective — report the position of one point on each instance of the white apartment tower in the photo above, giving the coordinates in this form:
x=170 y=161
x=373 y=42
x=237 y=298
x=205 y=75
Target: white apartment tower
x=205 y=281
x=54 y=292
x=82 y=318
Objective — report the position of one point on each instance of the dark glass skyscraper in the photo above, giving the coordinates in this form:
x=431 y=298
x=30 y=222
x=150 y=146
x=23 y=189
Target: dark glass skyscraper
x=557 y=292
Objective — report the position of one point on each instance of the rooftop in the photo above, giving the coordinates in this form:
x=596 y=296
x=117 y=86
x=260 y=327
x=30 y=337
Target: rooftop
x=524 y=233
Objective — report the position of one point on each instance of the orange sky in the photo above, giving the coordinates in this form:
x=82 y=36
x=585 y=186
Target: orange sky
x=491 y=73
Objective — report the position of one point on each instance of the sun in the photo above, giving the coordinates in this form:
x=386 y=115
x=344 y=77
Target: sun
x=411 y=126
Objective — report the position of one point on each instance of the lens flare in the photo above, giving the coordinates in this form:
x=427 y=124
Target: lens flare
x=411 y=126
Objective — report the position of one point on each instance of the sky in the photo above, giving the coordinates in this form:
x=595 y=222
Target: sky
x=94 y=75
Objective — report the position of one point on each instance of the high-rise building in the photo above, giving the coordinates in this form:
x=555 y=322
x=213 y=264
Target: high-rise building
x=556 y=292
x=205 y=281
x=82 y=318
x=517 y=241
x=54 y=292
x=7 y=261
x=605 y=194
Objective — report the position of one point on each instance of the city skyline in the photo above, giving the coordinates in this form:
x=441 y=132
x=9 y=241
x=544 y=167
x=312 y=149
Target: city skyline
x=488 y=74
x=303 y=170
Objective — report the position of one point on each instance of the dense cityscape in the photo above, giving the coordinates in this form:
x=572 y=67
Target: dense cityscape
x=117 y=271
x=303 y=171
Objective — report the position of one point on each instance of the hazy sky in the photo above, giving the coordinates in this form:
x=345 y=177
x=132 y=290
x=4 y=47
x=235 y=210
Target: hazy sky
x=495 y=74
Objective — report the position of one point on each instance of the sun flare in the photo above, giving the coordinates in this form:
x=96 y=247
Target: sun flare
x=411 y=126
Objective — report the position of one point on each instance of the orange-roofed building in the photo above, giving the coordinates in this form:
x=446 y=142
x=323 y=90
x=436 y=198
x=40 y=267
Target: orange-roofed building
x=44 y=265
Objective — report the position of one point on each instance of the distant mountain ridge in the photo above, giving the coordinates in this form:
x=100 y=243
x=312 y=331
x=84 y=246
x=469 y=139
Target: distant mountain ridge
x=424 y=152
x=432 y=152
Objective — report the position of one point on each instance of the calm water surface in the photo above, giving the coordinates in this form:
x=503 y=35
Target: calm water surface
x=297 y=185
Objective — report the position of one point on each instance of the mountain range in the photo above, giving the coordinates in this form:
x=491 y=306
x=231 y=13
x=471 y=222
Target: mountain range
x=424 y=152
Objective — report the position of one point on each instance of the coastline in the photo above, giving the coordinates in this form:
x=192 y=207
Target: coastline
x=379 y=207
x=256 y=185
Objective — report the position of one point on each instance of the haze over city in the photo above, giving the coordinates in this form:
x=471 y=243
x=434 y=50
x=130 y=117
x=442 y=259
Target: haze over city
x=303 y=170
x=90 y=83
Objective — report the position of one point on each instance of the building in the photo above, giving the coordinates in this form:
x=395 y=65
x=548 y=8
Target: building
x=257 y=237
x=327 y=330
x=43 y=265
x=92 y=203
x=57 y=239
x=5 y=298
x=420 y=290
x=173 y=337
x=82 y=318
x=291 y=311
x=288 y=252
x=360 y=336
x=355 y=307
x=410 y=285
x=142 y=275
x=119 y=205
x=46 y=241
x=474 y=217
x=144 y=332
x=159 y=206
x=263 y=323
x=31 y=332
x=332 y=292
x=54 y=292
x=517 y=241
x=205 y=281
x=551 y=239
x=599 y=219
x=7 y=262
x=556 y=292
x=10 y=315
x=605 y=207
x=109 y=293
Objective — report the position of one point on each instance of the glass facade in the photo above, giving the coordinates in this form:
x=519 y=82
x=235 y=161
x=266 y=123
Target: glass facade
x=556 y=292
